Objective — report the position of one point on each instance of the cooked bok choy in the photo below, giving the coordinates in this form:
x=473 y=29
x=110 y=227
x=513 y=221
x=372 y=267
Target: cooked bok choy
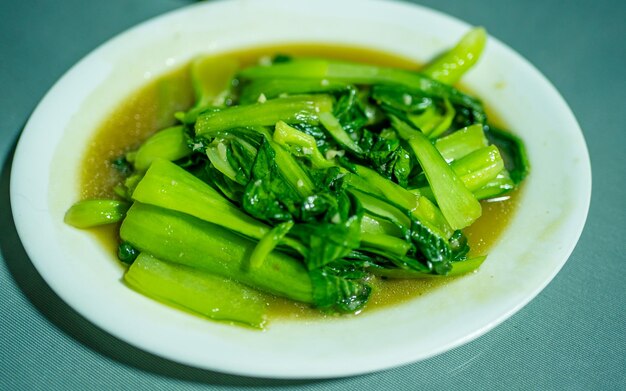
x=305 y=178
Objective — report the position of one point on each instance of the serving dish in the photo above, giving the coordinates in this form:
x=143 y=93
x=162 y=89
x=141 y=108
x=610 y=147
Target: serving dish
x=534 y=247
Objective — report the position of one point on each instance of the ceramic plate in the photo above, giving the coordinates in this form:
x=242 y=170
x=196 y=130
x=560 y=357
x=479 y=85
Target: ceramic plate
x=534 y=247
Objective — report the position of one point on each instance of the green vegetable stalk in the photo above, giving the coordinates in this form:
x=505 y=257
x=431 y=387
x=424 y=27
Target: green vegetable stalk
x=457 y=203
x=91 y=213
x=305 y=178
x=449 y=67
x=195 y=290
x=179 y=238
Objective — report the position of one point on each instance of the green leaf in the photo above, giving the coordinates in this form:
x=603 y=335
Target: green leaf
x=300 y=144
x=513 y=152
x=337 y=293
x=268 y=196
x=334 y=128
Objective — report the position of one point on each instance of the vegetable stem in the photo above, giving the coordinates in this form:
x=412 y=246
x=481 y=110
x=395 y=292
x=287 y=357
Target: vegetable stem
x=180 y=238
x=451 y=66
x=193 y=289
x=300 y=108
x=92 y=213
x=457 y=203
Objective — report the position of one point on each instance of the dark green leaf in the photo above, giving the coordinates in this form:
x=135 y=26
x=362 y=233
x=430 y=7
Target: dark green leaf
x=337 y=293
x=127 y=253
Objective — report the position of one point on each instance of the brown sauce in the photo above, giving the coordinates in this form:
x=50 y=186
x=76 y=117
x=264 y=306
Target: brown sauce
x=152 y=108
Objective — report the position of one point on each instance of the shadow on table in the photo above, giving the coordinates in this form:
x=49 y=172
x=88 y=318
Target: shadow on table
x=72 y=323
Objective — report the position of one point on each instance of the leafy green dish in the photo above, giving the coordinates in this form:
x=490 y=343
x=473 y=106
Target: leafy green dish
x=303 y=178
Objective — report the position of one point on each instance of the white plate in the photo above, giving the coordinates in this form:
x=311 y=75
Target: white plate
x=533 y=249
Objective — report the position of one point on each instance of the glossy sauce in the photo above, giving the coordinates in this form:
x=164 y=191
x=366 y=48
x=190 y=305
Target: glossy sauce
x=152 y=108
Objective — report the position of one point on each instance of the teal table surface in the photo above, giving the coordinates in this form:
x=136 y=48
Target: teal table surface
x=571 y=337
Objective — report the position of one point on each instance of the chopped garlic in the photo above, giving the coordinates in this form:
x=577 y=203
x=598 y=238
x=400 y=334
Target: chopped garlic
x=407 y=99
x=332 y=153
x=265 y=61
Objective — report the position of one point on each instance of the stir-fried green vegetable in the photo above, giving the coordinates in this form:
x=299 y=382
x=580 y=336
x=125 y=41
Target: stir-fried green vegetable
x=305 y=177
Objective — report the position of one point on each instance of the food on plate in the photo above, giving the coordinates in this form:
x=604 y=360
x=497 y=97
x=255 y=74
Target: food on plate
x=308 y=178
